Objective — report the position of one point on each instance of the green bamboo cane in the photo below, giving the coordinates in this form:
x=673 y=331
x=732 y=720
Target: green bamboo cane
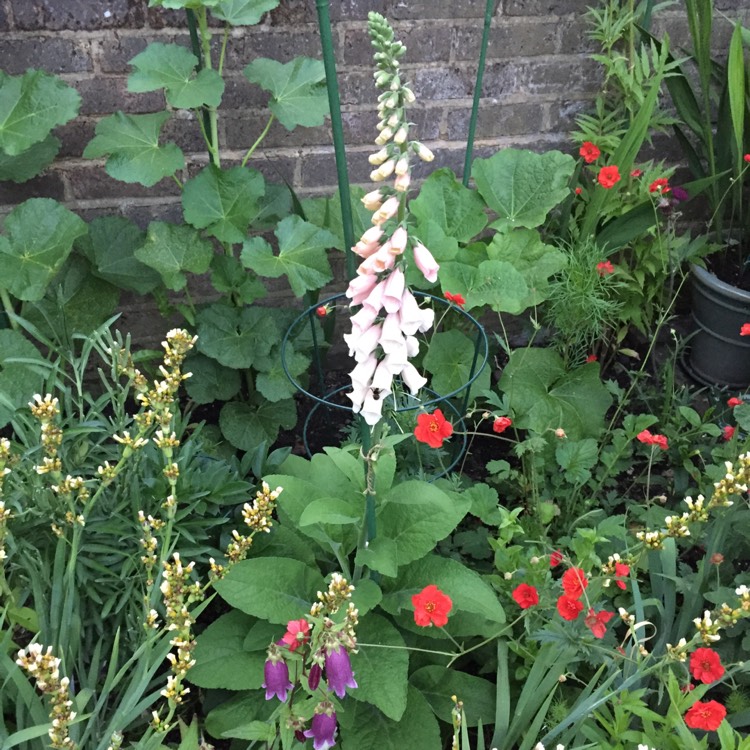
x=196 y=45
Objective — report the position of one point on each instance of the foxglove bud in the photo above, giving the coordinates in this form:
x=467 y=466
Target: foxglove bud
x=402 y=182
x=424 y=153
x=400 y=136
x=378 y=158
x=402 y=165
x=394 y=120
x=386 y=211
x=398 y=241
x=385 y=135
x=408 y=95
x=373 y=200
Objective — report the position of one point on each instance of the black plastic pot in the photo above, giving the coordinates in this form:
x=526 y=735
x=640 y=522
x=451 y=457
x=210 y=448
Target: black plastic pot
x=718 y=354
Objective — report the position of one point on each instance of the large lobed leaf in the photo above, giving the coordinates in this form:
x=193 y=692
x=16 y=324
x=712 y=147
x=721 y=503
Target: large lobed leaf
x=29 y=163
x=131 y=145
x=30 y=106
x=243 y=12
x=297 y=88
x=173 y=68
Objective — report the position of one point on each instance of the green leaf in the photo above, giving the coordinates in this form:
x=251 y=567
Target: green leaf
x=543 y=395
x=246 y=426
x=210 y=381
x=221 y=659
x=438 y=685
x=741 y=414
x=228 y=277
x=273 y=383
x=30 y=106
x=276 y=589
x=302 y=255
x=180 y=4
x=381 y=672
x=522 y=187
x=131 y=143
x=576 y=457
x=19 y=381
x=29 y=163
x=172 y=250
x=736 y=88
x=458 y=210
x=39 y=235
x=231 y=718
x=328 y=510
x=298 y=89
x=363 y=727
x=380 y=554
x=111 y=246
x=237 y=338
x=449 y=358
x=222 y=201
x=173 y=68
x=243 y=12
x=326 y=213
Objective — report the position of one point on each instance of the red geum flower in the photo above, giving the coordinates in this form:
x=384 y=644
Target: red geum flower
x=727 y=432
x=734 y=401
x=659 y=186
x=456 y=299
x=745 y=330
x=648 y=439
x=589 y=152
x=297 y=633
x=569 y=607
x=574 y=581
x=706 y=715
x=591 y=358
x=433 y=429
x=501 y=424
x=555 y=558
x=746 y=157
x=705 y=665
x=608 y=176
x=525 y=596
x=636 y=173
x=431 y=607
x=578 y=190
x=596 y=622
x=621 y=571
x=321 y=311
x=605 y=268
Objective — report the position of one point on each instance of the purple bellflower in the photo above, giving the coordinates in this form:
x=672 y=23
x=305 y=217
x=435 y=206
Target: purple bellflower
x=276 y=675
x=339 y=670
x=323 y=728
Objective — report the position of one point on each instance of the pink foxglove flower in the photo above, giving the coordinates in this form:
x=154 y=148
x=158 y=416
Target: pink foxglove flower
x=394 y=290
x=360 y=287
x=412 y=379
x=361 y=345
x=425 y=262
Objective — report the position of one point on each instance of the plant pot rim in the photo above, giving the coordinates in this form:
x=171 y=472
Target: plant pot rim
x=714 y=282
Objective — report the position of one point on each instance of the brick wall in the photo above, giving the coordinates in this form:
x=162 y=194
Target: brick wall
x=538 y=76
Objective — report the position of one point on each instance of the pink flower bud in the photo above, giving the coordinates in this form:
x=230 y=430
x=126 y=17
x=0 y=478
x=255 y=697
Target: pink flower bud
x=373 y=200
x=402 y=165
x=401 y=183
x=386 y=211
x=425 y=262
x=398 y=241
x=382 y=260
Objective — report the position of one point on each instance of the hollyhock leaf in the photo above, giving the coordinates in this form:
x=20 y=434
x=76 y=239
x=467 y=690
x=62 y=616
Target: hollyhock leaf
x=476 y=609
x=437 y=684
x=110 y=246
x=230 y=717
x=326 y=213
x=575 y=458
x=29 y=163
x=131 y=145
x=302 y=255
x=521 y=186
x=243 y=12
x=173 y=68
x=19 y=380
x=273 y=382
x=222 y=201
x=276 y=589
x=39 y=236
x=210 y=381
x=741 y=414
x=229 y=277
x=365 y=727
x=247 y=425
x=381 y=673
x=171 y=250
x=416 y=516
x=458 y=210
x=222 y=661
x=297 y=88
x=31 y=105
x=449 y=359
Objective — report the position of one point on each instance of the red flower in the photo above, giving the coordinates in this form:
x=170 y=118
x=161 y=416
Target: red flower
x=574 y=581
x=297 y=634
x=501 y=424
x=727 y=432
x=433 y=429
x=555 y=558
x=605 y=268
x=589 y=152
x=659 y=186
x=707 y=716
x=456 y=299
x=321 y=311
x=431 y=607
x=578 y=190
x=746 y=157
x=596 y=622
x=745 y=330
x=636 y=173
x=705 y=665
x=525 y=596
x=569 y=607
x=649 y=439
x=608 y=176
x=621 y=571
x=734 y=401
x=591 y=358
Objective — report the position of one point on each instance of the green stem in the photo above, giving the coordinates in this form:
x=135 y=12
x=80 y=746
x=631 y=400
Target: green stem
x=223 y=52
x=177 y=180
x=259 y=139
x=205 y=39
x=8 y=307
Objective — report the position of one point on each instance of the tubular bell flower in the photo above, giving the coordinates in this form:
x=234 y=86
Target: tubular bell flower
x=339 y=673
x=323 y=728
x=276 y=674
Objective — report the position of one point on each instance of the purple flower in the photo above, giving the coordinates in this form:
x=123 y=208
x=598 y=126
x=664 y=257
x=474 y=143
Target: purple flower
x=679 y=194
x=323 y=729
x=339 y=670
x=313 y=676
x=277 y=682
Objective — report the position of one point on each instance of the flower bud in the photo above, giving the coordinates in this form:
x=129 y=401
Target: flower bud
x=400 y=136
x=402 y=165
x=394 y=120
x=424 y=153
x=386 y=211
x=408 y=95
x=385 y=135
x=373 y=200
x=395 y=84
x=386 y=170
x=379 y=157
x=381 y=79
x=401 y=183
x=398 y=241
x=391 y=102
